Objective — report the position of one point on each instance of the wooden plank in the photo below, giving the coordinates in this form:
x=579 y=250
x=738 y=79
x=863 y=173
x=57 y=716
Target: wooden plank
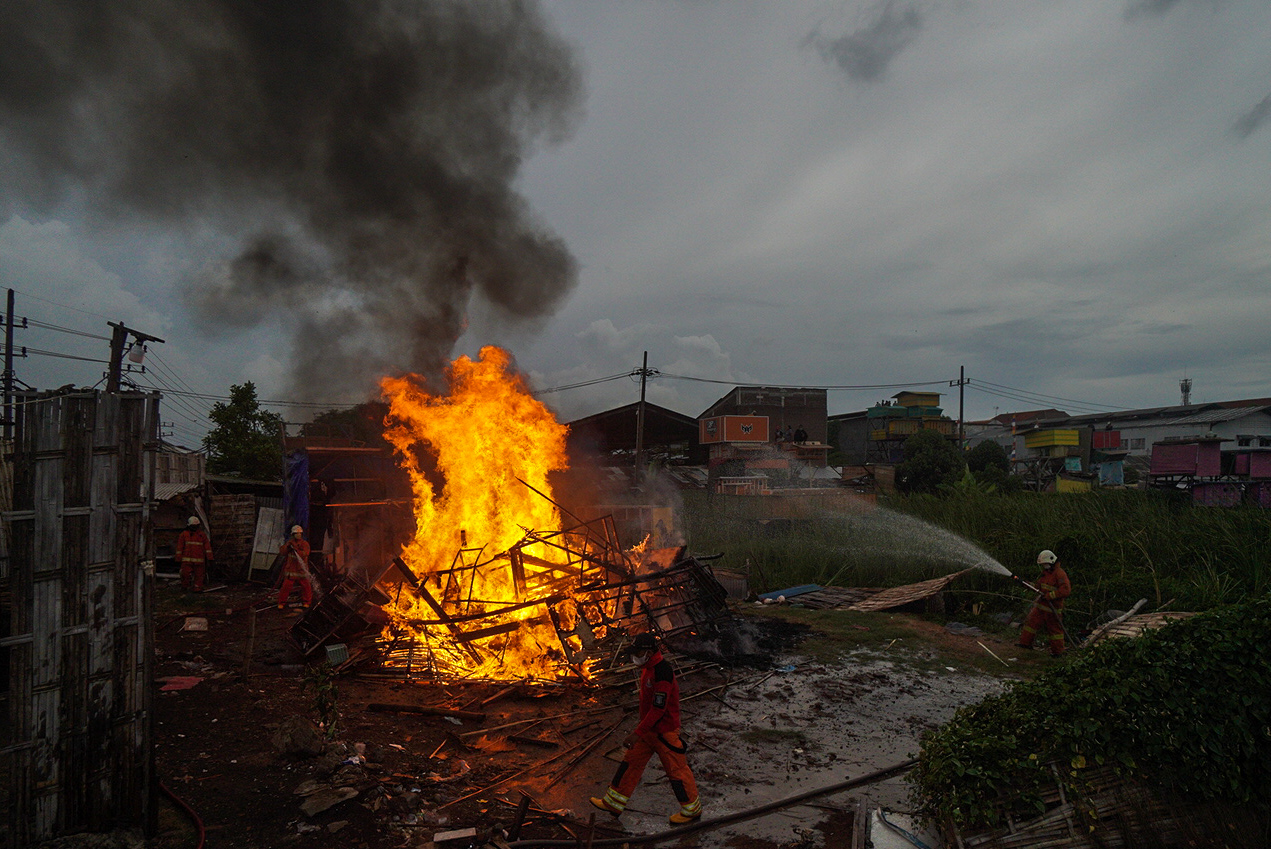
x=270 y=534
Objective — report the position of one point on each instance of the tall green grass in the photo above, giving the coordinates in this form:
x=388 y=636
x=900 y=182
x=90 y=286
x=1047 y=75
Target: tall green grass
x=1117 y=546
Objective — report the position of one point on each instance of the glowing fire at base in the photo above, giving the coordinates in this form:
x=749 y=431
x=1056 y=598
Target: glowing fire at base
x=489 y=438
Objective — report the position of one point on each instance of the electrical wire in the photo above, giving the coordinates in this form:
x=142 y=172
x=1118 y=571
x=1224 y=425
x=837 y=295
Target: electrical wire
x=319 y=405
x=31 y=322
x=1048 y=397
x=582 y=383
x=29 y=350
x=1030 y=398
x=57 y=303
x=871 y=386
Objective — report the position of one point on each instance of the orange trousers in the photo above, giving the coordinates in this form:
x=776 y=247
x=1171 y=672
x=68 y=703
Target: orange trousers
x=1043 y=619
x=670 y=750
x=193 y=571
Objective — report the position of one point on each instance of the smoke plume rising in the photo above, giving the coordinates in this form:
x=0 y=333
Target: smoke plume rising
x=358 y=154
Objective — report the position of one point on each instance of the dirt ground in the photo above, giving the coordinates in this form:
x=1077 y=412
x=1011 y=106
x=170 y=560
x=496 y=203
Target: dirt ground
x=784 y=724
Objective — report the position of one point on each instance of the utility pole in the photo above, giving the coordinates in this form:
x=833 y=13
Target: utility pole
x=961 y=382
x=118 y=339
x=8 y=370
x=639 y=452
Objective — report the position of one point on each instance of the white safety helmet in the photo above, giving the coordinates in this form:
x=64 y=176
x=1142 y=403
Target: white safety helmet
x=296 y=529
x=1047 y=558
x=192 y=521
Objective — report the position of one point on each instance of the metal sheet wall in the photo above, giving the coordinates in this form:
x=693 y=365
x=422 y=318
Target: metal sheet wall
x=75 y=754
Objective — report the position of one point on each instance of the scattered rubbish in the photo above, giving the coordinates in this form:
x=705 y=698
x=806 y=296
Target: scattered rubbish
x=459 y=834
x=194 y=623
x=963 y=630
x=308 y=788
x=180 y=682
x=307 y=828
x=453 y=720
x=790 y=667
x=990 y=651
x=788 y=593
x=327 y=798
x=893 y=835
x=398 y=746
x=336 y=826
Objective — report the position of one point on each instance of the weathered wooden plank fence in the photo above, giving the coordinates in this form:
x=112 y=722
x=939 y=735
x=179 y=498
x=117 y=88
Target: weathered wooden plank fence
x=76 y=630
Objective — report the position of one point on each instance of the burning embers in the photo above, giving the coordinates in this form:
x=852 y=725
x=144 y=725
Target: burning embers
x=482 y=590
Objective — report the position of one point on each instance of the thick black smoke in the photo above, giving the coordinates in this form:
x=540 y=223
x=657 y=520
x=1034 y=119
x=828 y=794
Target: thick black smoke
x=360 y=153
x=865 y=54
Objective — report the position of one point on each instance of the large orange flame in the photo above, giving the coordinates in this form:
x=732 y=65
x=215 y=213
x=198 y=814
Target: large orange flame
x=487 y=433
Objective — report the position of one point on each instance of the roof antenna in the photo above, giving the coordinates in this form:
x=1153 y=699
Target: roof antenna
x=1185 y=386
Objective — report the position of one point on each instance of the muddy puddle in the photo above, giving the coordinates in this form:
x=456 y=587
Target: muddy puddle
x=797 y=727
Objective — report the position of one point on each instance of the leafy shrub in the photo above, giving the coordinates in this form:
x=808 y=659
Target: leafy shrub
x=1185 y=709
x=931 y=462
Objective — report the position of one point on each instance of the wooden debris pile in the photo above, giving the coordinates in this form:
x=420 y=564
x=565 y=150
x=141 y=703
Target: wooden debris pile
x=576 y=593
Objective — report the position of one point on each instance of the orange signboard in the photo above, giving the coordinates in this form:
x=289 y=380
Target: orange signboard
x=733 y=429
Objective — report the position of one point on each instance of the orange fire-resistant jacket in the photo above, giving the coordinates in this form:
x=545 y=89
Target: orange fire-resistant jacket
x=193 y=547
x=1055 y=586
x=296 y=568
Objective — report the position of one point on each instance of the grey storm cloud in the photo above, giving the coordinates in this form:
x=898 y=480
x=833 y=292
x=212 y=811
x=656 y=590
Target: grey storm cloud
x=359 y=155
x=1254 y=118
x=864 y=55
x=1149 y=7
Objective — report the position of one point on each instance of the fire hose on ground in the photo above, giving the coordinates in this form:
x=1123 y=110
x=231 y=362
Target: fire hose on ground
x=736 y=816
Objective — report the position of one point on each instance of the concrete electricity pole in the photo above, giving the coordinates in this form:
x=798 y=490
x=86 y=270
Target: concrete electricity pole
x=118 y=340
x=961 y=382
x=639 y=452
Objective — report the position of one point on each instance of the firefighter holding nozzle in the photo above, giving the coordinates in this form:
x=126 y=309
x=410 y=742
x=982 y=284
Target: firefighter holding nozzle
x=1046 y=615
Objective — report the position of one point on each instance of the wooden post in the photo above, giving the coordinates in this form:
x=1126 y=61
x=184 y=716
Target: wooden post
x=251 y=643
x=514 y=833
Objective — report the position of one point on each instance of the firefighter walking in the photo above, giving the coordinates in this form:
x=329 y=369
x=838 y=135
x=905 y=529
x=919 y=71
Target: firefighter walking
x=1046 y=615
x=193 y=553
x=295 y=568
x=657 y=732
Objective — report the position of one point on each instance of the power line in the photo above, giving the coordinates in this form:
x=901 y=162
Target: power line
x=832 y=387
x=24 y=350
x=58 y=304
x=1039 y=398
x=582 y=383
x=264 y=402
x=31 y=322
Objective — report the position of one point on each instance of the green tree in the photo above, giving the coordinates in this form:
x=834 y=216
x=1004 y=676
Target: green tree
x=244 y=440
x=932 y=462
x=362 y=425
x=991 y=466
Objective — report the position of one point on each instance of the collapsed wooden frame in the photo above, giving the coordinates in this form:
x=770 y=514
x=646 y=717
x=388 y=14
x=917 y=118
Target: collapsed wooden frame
x=589 y=594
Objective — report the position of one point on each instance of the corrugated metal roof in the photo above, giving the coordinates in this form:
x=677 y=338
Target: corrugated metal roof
x=1226 y=414
x=166 y=491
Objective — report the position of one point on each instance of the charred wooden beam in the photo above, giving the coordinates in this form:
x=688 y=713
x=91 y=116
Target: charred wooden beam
x=446 y=619
x=492 y=631
x=381 y=707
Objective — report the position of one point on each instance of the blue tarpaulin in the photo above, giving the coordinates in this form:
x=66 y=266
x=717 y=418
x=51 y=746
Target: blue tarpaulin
x=295 y=490
x=792 y=592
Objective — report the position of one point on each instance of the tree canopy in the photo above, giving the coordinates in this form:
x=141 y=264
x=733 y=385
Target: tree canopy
x=932 y=462
x=245 y=440
x=991 y=465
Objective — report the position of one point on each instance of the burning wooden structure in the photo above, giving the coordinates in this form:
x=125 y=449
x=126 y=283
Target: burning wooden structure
x=496 y=580
x=567 y=621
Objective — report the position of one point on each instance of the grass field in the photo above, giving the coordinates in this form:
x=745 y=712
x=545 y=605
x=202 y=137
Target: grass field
x=1117 y=546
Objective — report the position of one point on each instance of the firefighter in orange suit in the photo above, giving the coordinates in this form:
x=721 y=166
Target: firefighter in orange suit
x=295 y=568
x=658 y=731
x=193 y=553
x=1046 y=615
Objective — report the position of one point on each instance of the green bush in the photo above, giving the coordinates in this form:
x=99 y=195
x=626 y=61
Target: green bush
x=1185 y=709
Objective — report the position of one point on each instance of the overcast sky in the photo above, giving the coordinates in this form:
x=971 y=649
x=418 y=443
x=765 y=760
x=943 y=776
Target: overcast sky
x=1067 y=197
